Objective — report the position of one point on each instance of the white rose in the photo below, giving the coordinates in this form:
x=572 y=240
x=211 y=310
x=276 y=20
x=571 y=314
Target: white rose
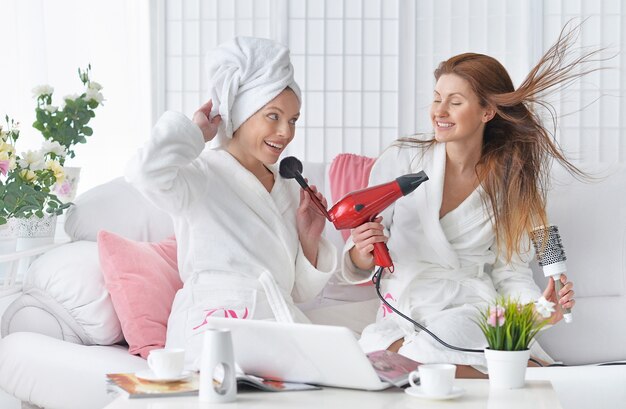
x=70 y=97
x=50 y=108
x=40 y=90
x=33 y=160
x=93 y=94
x=53 y=147
x=544 y=307
x=94 y=85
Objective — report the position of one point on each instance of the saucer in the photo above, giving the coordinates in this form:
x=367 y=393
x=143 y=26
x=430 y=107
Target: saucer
x=148 y=375
x=418 y=393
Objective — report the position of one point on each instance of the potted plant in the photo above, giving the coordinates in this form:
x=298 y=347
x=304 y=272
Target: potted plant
x=509 y=327
x=67 y=124
x=27 y=179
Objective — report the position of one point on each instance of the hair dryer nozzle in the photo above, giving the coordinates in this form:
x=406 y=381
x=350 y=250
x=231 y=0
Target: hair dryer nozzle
x=409 y=183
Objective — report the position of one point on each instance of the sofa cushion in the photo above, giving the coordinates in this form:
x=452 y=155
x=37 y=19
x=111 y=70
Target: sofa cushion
x=142 y=278
x=118 y=207
x=348 y=172
x=64 y=287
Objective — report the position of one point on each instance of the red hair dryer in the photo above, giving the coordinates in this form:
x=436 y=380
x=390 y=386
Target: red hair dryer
x=362 y=206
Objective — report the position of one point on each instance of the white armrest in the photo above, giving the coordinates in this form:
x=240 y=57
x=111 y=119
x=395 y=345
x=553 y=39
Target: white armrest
x=14 y=262
x=67 y=284
x=18 y=255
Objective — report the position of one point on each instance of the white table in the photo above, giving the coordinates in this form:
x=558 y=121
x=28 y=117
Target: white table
x=536 y=394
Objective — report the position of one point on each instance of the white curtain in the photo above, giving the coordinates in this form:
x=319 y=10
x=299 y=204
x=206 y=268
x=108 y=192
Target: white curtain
x=366 y=66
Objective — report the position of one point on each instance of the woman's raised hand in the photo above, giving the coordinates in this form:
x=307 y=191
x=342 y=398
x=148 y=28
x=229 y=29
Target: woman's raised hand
x=207 y=125
x=309 y=220
x=364 y=237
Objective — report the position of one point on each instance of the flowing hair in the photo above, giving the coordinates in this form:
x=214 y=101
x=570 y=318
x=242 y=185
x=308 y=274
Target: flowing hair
x=517 y=149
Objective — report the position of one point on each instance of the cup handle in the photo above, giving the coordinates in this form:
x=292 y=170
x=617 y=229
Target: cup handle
x=150 y=361
x=414 y=377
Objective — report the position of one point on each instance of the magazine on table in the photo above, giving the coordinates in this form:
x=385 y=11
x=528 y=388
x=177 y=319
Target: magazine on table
x=392 y=367
x=135 y=387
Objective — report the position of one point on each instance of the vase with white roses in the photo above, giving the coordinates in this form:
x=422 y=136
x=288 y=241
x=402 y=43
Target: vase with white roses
x=509 y=328
x=67 y=124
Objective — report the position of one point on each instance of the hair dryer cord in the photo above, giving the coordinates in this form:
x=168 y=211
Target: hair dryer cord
x=376 y=280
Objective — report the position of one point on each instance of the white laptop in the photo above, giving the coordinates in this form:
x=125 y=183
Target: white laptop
x=306 y=353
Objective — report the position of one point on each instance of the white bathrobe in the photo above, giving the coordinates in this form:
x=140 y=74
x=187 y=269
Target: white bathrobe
x=239 y=254
x=444 y=268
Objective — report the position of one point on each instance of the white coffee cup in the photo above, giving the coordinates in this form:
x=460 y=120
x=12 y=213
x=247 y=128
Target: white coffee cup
x=167 y=363
x=434 y=379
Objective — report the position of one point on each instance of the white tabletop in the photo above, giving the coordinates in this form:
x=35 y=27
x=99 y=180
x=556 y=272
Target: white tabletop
x=536 y=394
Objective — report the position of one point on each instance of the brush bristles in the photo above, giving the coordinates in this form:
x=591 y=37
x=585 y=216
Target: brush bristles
x=548 y=251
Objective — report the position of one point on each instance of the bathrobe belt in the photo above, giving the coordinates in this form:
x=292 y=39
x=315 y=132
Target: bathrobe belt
x=459 y=275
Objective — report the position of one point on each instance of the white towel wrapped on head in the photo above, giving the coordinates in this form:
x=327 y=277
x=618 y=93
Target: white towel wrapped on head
x=245 y=74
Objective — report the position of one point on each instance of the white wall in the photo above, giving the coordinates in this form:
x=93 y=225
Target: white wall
x=47 y=41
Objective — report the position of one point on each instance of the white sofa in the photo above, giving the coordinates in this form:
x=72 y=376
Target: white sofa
x=61 y=336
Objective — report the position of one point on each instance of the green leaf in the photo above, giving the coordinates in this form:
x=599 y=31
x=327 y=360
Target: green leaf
x=38 y=126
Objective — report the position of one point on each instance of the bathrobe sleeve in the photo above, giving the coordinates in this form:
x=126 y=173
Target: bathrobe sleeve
x=393 y=162
x=515 y=278
x=310 y=280
x=167 y=167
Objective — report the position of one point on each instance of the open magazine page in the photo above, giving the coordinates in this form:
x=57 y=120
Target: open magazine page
x=130 y=385
x=244 y=381
x=392 y=367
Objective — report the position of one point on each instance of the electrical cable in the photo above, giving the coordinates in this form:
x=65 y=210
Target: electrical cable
x=376 y=280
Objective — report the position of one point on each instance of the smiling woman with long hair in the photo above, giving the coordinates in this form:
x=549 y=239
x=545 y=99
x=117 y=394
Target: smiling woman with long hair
x=462 y=238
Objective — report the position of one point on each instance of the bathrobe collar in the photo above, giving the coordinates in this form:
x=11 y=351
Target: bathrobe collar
x=268 y=206
x=429 y=195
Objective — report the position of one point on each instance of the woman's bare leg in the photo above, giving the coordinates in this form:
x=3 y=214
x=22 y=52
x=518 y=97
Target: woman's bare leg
x=468 y=372
x=462 y=371
x=395 y=347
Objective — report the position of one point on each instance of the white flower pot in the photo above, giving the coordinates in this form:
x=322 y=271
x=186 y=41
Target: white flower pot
x=507 y=369
x=37 y=227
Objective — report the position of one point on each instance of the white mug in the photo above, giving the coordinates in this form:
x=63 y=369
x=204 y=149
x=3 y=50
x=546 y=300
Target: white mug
x=434 y=379
x=167 y=363
x=218 y=382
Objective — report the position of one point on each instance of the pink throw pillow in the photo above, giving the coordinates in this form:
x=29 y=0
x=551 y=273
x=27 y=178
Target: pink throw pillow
x=142 y=279
x=348 y=172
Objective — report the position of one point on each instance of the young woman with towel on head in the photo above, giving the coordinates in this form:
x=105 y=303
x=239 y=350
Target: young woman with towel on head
x=462 y=238
x=249 y=242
